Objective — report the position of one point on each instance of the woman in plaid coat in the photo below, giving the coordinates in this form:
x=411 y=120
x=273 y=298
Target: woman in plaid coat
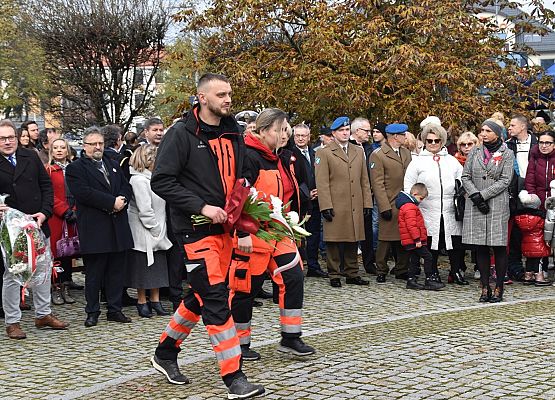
x=486 y=177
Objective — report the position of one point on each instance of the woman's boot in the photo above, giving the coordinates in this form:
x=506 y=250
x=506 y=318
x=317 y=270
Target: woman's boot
x=486 y=294
x=57 y=298
x=458 y=278
x=157 y=306
x=66 y=295
x=497 y=295
x=144 y=310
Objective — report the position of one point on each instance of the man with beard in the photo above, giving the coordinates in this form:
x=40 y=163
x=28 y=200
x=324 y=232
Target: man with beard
x=198 y=162
x=101 y=193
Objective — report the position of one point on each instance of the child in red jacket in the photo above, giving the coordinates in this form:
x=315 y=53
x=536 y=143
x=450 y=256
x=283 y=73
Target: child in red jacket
x=414 y=236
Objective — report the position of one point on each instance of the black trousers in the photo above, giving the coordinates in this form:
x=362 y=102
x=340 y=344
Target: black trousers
x=456 y=254
x=176 y=266
x=483 y=262
x=313 y=225
x=66 y=266
x=107 y=269
x=414 y=256
x=367 y=246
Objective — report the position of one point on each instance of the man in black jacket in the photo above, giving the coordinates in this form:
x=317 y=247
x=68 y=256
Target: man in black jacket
x=197 y=165
x=301 y=136
x=101 y=193
x=24 y=179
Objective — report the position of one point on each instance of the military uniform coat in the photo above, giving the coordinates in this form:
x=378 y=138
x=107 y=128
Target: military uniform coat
x=342 y=184
x=387 y=173
x=492 y=181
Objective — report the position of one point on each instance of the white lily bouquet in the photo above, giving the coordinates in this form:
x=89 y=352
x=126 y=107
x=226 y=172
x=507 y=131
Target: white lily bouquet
x=265 y=219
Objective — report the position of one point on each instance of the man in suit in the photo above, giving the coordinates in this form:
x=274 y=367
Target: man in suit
x=345 y=199
x=360 y=135
x=102 y=193
x=388 y=164
x=301 y=136
x=24 y=179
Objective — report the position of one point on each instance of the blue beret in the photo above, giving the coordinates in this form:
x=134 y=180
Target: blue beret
x=392 y=129
x=340 y=122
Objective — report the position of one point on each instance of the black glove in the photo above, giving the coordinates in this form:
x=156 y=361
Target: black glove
x=480 y=203
x=70 y=216
x=477 y=198
x=367 y=212
x=328 y=214
x=387 y=215
x=483 y=207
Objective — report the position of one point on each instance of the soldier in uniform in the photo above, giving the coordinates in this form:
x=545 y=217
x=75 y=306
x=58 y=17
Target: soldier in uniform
x=387 y=171
x=345 y=198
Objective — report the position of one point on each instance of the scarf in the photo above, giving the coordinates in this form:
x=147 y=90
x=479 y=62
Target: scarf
x=490 y=148
x=460 y=158
x=288 y=185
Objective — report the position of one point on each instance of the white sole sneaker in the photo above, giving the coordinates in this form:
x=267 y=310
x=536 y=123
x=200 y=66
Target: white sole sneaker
x=159 y=368
x=256 y=392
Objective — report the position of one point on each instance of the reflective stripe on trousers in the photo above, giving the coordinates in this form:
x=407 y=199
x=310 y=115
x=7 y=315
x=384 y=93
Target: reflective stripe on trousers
x=181 y=324
x=225 y=343
x=291 y=320
x=244 y=332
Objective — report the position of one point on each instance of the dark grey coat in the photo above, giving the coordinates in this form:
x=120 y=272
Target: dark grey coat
x=492 y=181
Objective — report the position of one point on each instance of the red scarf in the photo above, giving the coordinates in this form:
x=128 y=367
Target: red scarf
x=288 y=186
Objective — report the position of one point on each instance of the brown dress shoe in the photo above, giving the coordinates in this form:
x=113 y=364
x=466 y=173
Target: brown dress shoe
x=50 y=321
x=14 y=331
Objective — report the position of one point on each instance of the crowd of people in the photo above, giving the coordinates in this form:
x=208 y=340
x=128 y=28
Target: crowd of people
x=374 y=190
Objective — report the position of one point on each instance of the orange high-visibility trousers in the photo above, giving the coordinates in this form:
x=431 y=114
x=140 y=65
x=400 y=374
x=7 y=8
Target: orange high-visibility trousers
x=290 y=285
x=207 y=263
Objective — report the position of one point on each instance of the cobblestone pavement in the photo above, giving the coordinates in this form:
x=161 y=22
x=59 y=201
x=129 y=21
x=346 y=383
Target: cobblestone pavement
x=374 y=342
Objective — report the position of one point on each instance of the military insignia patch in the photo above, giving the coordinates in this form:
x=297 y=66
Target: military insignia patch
x=317 y=160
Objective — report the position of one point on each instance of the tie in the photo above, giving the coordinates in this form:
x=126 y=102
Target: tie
x=11 y=159
x=305 y=154
x=345 y=150
x=100 y=166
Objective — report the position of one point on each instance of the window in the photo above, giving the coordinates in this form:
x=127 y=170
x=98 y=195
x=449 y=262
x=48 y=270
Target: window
x=532 y=38
x=139 y=77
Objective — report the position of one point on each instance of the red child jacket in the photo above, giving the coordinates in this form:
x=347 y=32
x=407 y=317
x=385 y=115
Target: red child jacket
x=411 y=223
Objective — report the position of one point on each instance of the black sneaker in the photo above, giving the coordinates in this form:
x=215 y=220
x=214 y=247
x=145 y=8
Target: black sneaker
x=248 y=354
x=295 y=346
x=412 y=283
x=170 y=369
x=241 y=388
x=380 y=278
x=433 y=284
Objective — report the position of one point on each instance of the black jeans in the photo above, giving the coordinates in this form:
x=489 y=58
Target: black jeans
x=483 y=262
x=415 y=255
x=456 y=254
x=313 y=225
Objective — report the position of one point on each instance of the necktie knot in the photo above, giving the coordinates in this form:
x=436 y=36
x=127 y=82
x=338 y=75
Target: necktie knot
x=11 y=159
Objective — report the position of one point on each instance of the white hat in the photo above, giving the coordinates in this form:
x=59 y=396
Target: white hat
x=430 y=119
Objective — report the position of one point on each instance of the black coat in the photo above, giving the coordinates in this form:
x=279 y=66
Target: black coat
x=28 y=184
x=100 y=229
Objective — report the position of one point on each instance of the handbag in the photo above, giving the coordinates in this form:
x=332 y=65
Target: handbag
x=67 y=246
x=459 y=200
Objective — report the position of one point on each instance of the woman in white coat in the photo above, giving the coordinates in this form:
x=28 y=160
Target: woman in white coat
x=438 y=170
x=146 y=263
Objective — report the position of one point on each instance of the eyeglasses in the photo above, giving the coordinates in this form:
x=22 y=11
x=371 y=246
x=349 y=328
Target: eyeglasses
x=466 y=144
x=365 y=130
x=434 y=141
x=7 y=139
x=95 y=144
x=545 y=143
